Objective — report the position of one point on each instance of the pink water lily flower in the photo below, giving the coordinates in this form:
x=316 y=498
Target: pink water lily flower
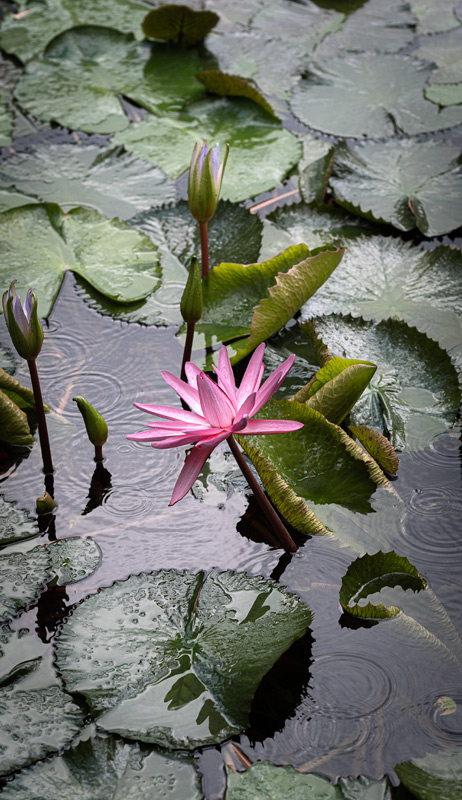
x=217 y=411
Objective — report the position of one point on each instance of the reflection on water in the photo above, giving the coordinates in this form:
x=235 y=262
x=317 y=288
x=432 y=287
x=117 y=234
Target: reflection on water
x=343 y=700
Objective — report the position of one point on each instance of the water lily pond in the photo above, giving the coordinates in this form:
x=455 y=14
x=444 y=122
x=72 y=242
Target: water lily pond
x=184 y=651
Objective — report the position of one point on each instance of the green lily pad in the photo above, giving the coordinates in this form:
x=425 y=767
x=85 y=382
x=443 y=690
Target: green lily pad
x=233 y=233
x=15 y=430
x=261 y=151
x=444 y=94
x=378 y=446
x=264 y=296
x=377 y=26
x=444 y=50
x=437 y=775
x=9 y=76
x=233 y=86
x=73 y=559
x=80 y=78
x=433 y=17
x=38 y=718
x=369 y=95
x=179 y=24
x=24 y=571
x=314 y=168
x=10 y=199
x=111 y=181
x=405 y=183
x=40 y=243
x=15 y=524
x=414 y=395
x=21 y=395
x=369 y=574
x=186 y=665
x=27 y=33
x=384 y=278
x=264 y=781
x=336 y=387
x=6 y=125
x=101 y=766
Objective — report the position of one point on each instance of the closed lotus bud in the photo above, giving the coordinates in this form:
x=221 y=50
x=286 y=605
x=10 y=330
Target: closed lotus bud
x=45 y=504
x=23 y=323
x=204 y=183
x=95 y=424
x=191 y=301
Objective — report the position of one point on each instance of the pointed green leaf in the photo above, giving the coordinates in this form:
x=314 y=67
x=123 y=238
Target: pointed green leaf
x=222 y=83
x=261 y=151
x=27 y=34
x=84 y=72
x=40 y=243
x=38 y=717
x=369 y=574
x=405 y=183
x=378 y=446
x=15 y=524
x=437 y=775
x=179 y=24
x=369 y=95
x=110 y=180
x=335 y=398
x=15 y=428
x=101 y=766
x=190 y=652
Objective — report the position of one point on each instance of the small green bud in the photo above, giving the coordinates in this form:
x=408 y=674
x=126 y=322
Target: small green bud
x=23 y=323
x=191 y=301
x=45 y=504
x=95 y=424
x=204 y=183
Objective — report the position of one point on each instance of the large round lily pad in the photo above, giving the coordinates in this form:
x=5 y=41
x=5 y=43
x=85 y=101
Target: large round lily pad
x=80 y=79
x=175 y=658
x=369 y=95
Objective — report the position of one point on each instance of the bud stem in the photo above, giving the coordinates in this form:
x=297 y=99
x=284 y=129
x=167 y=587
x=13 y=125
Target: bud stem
x=187 y=348
x=41 y=421
x=276 y=523
x=204 y=248
x=98 y=452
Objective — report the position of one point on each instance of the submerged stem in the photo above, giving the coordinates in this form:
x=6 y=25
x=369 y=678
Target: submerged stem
x=276 y=523
x=187 y=348
x=98 y=453
x=41 y=421
x=204 y=248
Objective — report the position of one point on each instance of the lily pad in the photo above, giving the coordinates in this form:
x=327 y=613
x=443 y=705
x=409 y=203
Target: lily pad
x=102 y=766
x=437 y=775
x=369 y=95
x=314 y=168
x=264 y=781
x=433 y=17
x=27 y=33
x=336 y=387
x=444 y=50
x=179 y=24
x=369 y=574
x=73 y=559
x=383 y=278
x=383 y=28
x=24 y=570
x=6 y=125
x=38 y=718
x=414 y=395
x=10 y=199
x=80 y=79
x=186 y=664
x=261 y=151
x=265 y=295
x=444 y=94
x=233 y=233
x=15 y=430
x=233 y=86
x=40 y=243
x=15 y=524
x=407 y=184
x=111 y=181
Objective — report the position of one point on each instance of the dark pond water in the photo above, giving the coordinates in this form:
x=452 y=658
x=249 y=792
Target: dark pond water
x=345 y=700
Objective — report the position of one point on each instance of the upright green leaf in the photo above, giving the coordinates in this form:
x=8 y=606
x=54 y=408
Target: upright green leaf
x=233 y=86
x=369 y=574
x=15 y=428
x=336 y=387
x=40 y=243
x=175 y=658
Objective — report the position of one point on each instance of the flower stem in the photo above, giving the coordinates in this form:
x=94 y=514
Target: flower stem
x=41 y=421
x=187 y=348
x=98 y=452
x=276 y=523
x=204 y=248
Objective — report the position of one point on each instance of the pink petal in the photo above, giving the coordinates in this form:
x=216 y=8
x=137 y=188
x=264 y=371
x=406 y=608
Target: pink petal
x=271 y=426
x=272 y=383
x=214 y=440
x=246 y=408
x=252 y=376
x=193 y=465
x=186 y=392
x=164 y=442
x=167 y=412
x=226 y=375
x=176 y=425
x=216 y=406
x=192 y=371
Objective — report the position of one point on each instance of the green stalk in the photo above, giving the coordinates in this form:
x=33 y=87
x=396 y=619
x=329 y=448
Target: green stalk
x=204 y=248
x=187 y=348
x=41 y=421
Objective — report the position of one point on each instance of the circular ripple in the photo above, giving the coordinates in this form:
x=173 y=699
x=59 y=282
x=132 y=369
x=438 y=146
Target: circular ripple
x=360 y=685
x=128 y=501
x=103 y=391
x=434 y=501
x=432 y=525
x=62 y=351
